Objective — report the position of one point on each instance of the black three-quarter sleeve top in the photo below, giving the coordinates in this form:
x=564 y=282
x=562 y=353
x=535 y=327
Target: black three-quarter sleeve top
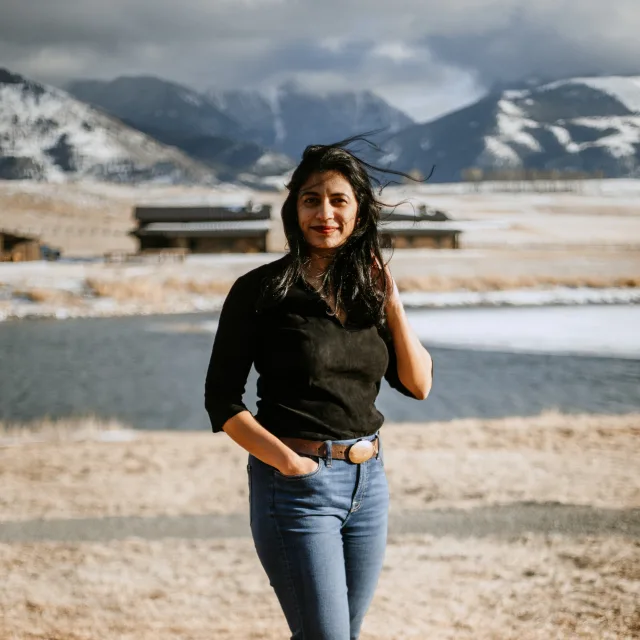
x=317 y=378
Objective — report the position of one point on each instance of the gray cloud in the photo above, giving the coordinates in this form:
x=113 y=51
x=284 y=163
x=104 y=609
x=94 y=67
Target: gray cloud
x=425 y=55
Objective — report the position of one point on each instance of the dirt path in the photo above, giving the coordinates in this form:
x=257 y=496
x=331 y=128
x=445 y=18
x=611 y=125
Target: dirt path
x=497 y=521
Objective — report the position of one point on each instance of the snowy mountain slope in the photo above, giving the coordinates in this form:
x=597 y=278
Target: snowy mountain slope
x=254 y=125
x=181 y=117
x=290 y=117
x=578 y=124
x=624 y=89
x=46 y=134
x=253 y=109
x=147 y=102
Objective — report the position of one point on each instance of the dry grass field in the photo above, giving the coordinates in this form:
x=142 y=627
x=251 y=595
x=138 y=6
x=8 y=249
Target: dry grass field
x=462 y=584
x=55 y=470
x=535 y=587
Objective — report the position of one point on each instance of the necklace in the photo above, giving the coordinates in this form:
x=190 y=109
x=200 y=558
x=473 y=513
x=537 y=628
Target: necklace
x=313 y=282
x=329 y=303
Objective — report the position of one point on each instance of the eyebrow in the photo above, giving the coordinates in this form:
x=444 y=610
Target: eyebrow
x=316 y=193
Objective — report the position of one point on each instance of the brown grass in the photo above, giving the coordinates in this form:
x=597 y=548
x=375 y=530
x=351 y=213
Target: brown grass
x=149 y=290
x=532 y=587
x=138 y=289
x=503 y=283
x=199 y=287
x=43 y=295
x=66 y=469
x=525 y=587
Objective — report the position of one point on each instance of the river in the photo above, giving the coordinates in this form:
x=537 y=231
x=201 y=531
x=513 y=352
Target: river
x=148 y=372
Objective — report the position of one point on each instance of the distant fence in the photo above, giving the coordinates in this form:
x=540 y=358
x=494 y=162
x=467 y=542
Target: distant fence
x=527 y=180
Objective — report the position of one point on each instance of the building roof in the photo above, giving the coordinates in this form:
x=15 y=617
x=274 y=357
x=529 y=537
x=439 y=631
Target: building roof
x=220 y=229
x=17 y=237
x=201 y=213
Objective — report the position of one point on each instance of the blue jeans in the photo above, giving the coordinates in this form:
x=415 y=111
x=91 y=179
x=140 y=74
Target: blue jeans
x=321 y=539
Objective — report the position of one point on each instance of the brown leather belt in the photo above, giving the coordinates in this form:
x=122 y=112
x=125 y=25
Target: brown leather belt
x=357 y=453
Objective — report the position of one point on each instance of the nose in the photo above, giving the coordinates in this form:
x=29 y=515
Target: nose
x=325 y=210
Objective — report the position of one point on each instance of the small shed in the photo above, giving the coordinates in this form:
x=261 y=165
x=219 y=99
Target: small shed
x=425 y=227
x=203 y=229
x=18 y=248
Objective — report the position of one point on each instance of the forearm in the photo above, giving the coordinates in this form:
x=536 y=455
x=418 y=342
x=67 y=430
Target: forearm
x=414 y=361
x=246 y=431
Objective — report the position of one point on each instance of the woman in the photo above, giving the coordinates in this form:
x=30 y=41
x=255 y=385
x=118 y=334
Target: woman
x=323 y=325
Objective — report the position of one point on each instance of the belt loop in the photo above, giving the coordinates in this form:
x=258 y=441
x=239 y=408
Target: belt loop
x=327 y=449
x=379 y=446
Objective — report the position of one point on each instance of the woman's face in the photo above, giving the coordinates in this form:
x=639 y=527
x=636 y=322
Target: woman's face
x=327 y=210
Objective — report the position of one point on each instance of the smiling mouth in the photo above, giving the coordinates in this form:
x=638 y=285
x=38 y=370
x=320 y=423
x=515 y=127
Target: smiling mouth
x=325 y=230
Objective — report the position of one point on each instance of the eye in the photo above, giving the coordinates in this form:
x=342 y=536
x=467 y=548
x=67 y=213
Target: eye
x=310 y=200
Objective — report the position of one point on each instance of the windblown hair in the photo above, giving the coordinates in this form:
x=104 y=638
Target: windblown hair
x=352 y=277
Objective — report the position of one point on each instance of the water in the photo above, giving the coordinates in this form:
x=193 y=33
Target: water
x=149 y=372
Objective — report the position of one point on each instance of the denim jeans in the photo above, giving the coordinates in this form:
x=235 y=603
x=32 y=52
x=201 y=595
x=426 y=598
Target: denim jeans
x=321 y=539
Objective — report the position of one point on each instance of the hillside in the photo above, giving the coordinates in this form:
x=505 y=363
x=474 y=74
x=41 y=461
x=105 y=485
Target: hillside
x=579 y=124
x=46 y=134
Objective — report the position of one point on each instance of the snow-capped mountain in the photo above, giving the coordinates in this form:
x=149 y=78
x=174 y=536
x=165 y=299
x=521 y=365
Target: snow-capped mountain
x=146 y=102
x=46 y=134
x=290 y=117
x=184 y=118
x=581 y=124
x=240 y=130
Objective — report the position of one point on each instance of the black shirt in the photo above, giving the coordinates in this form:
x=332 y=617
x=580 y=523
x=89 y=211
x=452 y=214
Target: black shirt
x=317 y=378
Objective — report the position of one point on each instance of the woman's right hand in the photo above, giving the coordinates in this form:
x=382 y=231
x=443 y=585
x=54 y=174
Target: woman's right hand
x=301 y=466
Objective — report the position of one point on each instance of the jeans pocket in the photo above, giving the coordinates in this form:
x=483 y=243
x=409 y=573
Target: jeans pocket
x=304 y=476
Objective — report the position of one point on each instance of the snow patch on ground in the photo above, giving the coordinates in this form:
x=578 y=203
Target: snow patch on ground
x=602 y=331
x=116 y=435
x=521 y=297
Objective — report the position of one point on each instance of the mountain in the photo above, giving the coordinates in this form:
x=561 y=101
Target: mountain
x=181 y=117
x=290 y=117
x=577 y=124
x=240 y=131
x=153 y=103
x=253 y=109
x=46 y=134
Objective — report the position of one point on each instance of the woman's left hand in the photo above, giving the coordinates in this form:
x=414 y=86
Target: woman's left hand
x=393 y=297
x=393 y=294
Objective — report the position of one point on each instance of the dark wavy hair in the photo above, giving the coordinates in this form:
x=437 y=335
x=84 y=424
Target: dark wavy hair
x=351 y=276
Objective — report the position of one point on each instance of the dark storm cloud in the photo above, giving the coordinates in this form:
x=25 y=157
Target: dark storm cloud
x=389 y=47
x=580 y=43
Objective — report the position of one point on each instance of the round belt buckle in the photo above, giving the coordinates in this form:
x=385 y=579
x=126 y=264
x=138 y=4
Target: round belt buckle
x=361 y=451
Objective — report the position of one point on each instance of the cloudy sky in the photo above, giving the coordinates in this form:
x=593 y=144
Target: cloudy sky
x=425 y=56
